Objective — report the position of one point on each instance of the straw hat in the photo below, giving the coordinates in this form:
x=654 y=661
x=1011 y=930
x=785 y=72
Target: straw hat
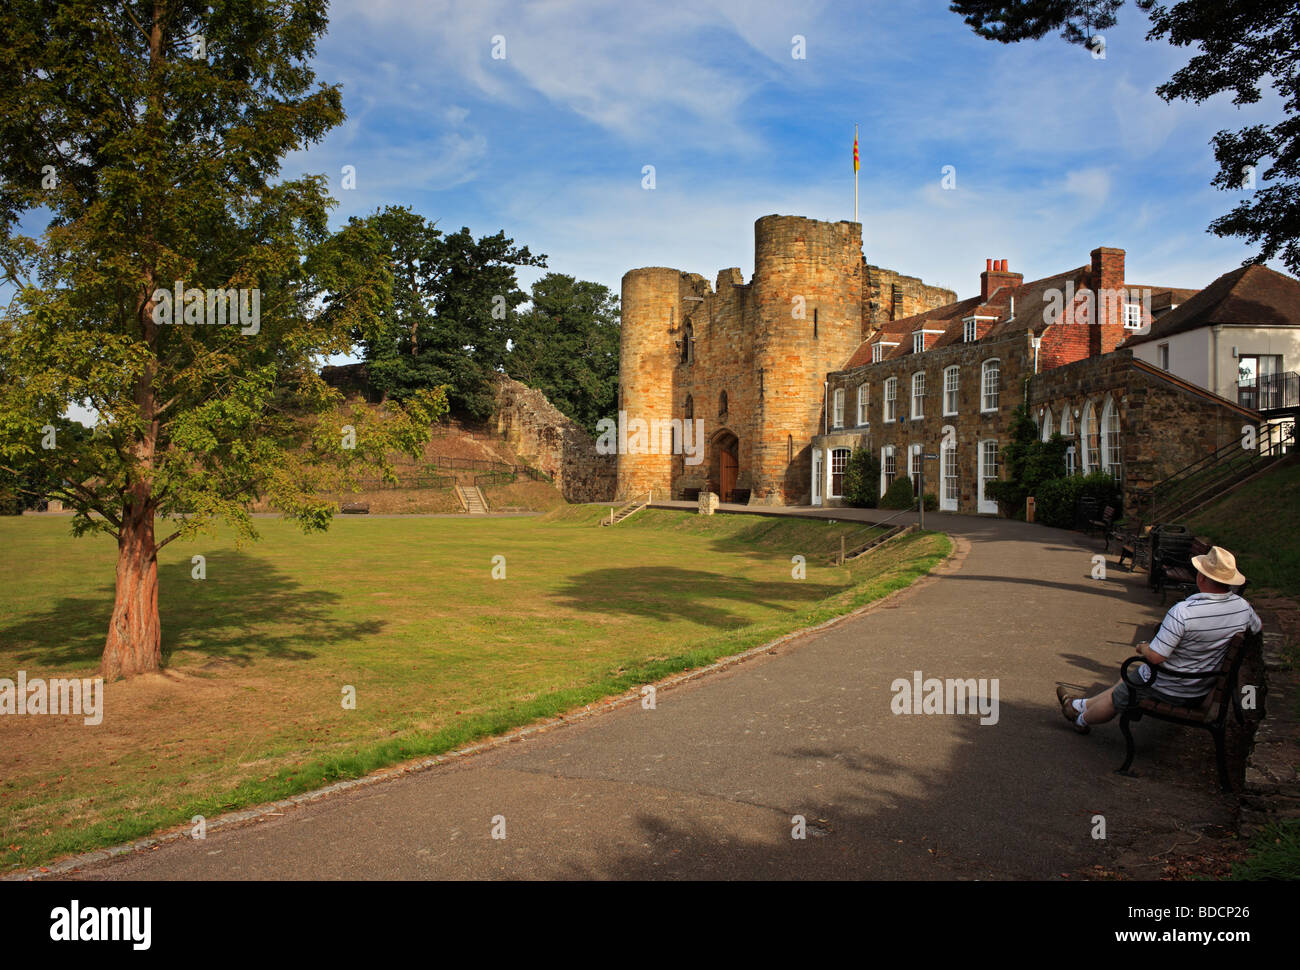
x=1219 y=565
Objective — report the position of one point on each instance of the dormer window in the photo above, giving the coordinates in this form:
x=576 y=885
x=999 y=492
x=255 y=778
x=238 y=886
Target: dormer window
x=880 y=349
x=918 y=342
x=971 y=333
x=1132 y=316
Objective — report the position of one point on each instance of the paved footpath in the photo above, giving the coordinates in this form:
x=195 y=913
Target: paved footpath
x=706 y=785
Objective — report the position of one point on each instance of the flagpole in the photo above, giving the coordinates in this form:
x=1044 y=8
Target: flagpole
x=855 y=173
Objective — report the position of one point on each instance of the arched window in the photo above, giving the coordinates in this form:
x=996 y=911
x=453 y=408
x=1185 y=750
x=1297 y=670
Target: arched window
x=991 y=385
x=1067 y=421
x=1047 y=424
x=1091 y=439
x=888 y=468
x=838 y=419
x=722 y=404
x=690 y=407
x=1110 y=454
x=688 y=343
x=918 y=394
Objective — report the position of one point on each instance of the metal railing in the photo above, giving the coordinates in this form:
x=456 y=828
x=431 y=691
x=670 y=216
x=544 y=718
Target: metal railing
x=1269 y=392
x=1200 y=479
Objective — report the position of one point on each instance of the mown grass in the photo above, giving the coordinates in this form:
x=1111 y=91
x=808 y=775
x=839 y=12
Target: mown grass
x=407 y=613
x=1260 y=524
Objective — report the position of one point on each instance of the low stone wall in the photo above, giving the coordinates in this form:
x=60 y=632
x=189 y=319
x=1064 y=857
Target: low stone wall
x=553 y=443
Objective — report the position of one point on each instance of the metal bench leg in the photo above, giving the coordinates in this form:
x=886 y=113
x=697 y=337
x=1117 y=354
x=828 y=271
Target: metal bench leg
x=1221 y=758
x=1129 y=749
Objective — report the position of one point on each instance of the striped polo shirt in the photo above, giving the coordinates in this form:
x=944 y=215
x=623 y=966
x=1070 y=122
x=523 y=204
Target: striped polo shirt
x=1195 y=637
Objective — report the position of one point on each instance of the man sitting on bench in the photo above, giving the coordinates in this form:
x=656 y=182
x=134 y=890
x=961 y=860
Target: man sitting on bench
x=1192 y=639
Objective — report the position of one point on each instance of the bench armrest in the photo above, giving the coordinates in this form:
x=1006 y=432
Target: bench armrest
x=1137 y=680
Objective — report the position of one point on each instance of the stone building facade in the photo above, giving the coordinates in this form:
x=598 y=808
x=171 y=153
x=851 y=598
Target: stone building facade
x=821 y=354
x=746 y=359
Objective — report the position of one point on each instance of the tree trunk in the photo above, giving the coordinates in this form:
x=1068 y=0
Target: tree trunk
x=134 y=643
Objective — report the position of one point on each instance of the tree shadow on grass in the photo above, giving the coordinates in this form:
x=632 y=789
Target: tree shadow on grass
x=244 y=610
x=670 y=593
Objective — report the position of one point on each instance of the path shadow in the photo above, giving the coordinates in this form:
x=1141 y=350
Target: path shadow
x=670 y=593
x=244 y=610
x=1015 y=801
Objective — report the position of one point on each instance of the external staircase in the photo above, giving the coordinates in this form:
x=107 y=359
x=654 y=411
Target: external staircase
x=636 y=504
x=1213 y=476
x=471 y=497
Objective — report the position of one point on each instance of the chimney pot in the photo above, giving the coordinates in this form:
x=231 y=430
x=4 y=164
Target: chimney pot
x=988 y=266
x=1003 y=266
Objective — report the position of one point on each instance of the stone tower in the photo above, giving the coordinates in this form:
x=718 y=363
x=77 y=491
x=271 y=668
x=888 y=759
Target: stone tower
x=749 y=360
x=647 y=353
x=807 y=294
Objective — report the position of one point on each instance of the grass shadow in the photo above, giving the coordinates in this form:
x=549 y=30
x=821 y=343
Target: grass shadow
x=671 y=593
x=245 y=610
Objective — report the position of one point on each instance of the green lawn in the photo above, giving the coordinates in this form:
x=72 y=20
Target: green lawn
x=404 y=610
x=1260 y=524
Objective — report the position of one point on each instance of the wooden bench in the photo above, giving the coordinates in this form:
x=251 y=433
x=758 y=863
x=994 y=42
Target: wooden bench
x=1212 y=712
x=355 y=508
x=1106 y=524
x=1176 y=569
x=1136 y=548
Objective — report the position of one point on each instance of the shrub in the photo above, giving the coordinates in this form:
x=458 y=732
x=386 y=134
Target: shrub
x=861 y=475
x=1055 y=500
x=899 y=495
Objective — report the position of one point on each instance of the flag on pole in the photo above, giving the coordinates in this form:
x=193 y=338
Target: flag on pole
x=855 y=173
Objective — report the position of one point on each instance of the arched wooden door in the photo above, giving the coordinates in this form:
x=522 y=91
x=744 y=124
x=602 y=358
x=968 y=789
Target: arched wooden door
x=727 y=466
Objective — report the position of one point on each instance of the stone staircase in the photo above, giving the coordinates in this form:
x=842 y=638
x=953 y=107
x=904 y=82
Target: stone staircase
x=472 y=498
x=636 y=504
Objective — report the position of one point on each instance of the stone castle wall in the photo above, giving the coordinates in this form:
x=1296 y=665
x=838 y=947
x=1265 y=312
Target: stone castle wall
x=767 y=345
x=553 y=443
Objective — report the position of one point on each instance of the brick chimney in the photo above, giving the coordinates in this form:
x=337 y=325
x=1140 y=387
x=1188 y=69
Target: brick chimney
x=996 y=274
x=1107 y=280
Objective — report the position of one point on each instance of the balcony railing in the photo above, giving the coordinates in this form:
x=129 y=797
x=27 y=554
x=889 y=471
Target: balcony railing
x=1268 y=392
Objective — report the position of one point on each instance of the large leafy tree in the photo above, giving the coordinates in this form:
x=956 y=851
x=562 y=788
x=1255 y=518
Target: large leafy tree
x=454 y=306
x=151 y=134
x=566 y=346
x=1243 y=45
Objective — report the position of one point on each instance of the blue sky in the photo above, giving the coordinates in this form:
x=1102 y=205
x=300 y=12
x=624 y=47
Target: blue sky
x=1055 y=152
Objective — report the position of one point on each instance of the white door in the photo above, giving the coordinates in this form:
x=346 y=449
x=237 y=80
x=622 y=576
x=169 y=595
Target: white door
x=988 y=471
x=817 y=477
x=948 y=478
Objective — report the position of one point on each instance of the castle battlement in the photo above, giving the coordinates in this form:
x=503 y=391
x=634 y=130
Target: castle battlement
x=750 y=359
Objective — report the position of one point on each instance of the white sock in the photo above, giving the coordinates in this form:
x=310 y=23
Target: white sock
x=1080 y=721
x=1080 y=704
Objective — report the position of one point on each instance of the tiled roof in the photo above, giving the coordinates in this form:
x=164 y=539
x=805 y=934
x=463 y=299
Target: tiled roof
x=1249 y=295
